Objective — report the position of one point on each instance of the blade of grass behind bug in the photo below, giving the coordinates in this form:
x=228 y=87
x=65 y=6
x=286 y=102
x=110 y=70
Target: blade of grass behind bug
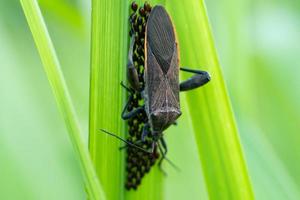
x=61 y=93
x=152 y=184
x=109 y=49
x=215 y=131
x=108 y=62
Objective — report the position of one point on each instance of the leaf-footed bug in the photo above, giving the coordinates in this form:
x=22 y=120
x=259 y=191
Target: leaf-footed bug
x=159 y=86
x=161 y=76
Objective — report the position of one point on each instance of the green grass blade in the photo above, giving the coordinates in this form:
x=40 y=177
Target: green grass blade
x=109 y=49
x=215 y=131
x=108 y=62
x=57 y=82
x=270 y=177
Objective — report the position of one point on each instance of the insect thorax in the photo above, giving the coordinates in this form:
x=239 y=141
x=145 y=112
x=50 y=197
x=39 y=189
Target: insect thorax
x=161 y=120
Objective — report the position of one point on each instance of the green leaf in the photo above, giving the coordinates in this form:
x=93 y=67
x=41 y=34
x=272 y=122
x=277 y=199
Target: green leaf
x=215 y=130
x=271 y=179
x=108 y=61
x=61 y=93
x=109 y=48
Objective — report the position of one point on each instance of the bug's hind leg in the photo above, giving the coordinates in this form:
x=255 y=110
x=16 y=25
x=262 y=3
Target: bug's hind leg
x=132 y=74
x=164 y=150
x=201 y=78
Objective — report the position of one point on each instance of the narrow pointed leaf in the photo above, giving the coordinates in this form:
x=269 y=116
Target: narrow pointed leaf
x=61 y=94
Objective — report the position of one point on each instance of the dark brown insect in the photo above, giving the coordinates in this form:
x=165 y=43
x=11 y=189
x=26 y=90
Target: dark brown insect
x=161 y=77
x=153 y=75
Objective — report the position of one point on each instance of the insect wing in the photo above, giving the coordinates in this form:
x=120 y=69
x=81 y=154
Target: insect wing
x=161 y=65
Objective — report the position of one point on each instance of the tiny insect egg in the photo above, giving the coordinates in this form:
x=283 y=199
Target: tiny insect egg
x=147 y=169
x=131 y=133
x=142 y=11
x=140 y=154
x=140 y=20
x=128 y=169
x=147 y=7
x=130 y=122
x=142 y=40
x=134 y=6
x=131 y=32
x=127 y=185
x=132 y=17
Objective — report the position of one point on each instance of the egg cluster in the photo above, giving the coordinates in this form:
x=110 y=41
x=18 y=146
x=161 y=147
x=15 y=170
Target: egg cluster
x=138 y=162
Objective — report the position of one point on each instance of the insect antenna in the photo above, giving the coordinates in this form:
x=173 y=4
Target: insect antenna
x=129 y=143
x=125 y=146
x=172 y=164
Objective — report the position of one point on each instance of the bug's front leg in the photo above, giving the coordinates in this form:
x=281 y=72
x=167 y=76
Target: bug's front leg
x=127 y=115
x=132 y=74
x=201 y=78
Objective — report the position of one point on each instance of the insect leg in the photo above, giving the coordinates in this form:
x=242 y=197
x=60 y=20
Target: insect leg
x=133 y=113
x=132 y=74
x=163 y=155
x=201 y=78
x=163 y=150
x=126 y=116
x=145 y=131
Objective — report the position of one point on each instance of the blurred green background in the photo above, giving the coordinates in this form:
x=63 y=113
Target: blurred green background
x=258 y=44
